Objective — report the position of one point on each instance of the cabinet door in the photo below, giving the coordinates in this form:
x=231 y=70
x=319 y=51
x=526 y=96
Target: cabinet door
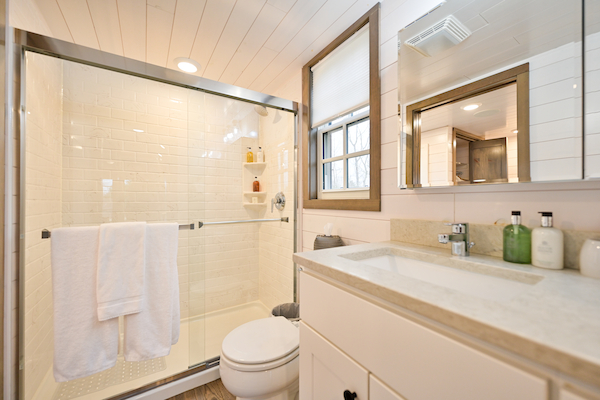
x=326 y=372
x=380 y=391
x=413 y=360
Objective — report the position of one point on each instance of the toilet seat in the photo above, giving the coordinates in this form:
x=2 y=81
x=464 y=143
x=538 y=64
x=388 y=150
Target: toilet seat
x=259 y=367
x=261 y=344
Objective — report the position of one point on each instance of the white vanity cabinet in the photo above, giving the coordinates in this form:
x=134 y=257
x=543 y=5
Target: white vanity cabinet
x=404 y=358
x=326 y=373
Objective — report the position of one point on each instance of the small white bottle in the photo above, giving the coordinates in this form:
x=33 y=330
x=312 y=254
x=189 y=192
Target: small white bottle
x=259 y=156
x=547 y=244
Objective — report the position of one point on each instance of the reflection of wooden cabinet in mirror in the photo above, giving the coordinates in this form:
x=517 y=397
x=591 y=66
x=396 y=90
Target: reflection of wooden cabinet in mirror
x=504 y=35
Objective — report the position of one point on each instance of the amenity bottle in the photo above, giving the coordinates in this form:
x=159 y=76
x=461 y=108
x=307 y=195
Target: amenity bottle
x=249 y=155
x=255 y=185
x=260 y=156
x=547 y=244
x=517 y=241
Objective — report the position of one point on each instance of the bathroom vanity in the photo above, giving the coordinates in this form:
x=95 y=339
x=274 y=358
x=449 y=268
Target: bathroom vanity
x=392 y=321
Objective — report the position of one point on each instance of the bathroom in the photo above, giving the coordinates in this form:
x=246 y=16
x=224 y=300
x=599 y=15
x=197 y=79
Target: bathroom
x=262 y=50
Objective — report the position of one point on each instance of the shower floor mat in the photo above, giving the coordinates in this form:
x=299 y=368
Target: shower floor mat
x=123 y=371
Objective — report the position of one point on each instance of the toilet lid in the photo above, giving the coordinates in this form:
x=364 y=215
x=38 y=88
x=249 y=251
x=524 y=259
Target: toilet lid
x=261 y=341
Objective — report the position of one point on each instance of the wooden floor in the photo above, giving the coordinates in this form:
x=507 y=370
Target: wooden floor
x=211 y=391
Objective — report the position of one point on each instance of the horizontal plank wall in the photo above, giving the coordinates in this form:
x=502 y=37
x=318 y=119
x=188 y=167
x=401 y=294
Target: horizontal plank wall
x=575 y=205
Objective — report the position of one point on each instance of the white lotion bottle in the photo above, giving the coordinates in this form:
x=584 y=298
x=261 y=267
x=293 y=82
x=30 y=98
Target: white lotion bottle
x=260 y=156
x=547 y=244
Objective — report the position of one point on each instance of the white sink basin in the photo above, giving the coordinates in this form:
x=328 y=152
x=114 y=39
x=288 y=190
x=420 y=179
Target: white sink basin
x=475 y=279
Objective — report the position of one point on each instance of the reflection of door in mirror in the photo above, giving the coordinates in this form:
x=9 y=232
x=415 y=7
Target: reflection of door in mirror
x=487 y=161
x=484 y=125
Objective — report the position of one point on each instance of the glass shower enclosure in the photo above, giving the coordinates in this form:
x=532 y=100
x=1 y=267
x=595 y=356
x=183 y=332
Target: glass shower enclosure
x=101 y=145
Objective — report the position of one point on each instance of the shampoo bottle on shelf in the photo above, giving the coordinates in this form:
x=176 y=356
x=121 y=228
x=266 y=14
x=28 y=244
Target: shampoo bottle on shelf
x=516 y=241
x=249 y=155
x=256 y=185
x=260 y=156
x=547 y=244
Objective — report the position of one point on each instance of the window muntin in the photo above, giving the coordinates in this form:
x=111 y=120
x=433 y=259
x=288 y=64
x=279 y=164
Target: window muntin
x=344 y=156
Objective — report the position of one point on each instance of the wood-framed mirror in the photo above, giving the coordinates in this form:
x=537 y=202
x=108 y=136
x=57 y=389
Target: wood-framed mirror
x=464 y=42
x=475 y=134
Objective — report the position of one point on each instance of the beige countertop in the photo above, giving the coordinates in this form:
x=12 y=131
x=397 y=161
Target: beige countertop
x=554 y=322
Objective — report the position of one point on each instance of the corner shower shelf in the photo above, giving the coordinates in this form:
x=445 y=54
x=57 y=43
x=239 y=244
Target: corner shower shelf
x=255 y=193
x=255 y=164
x=255 y=205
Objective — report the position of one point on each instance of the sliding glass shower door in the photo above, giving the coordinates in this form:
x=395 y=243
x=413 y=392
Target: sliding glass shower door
x=101 y=146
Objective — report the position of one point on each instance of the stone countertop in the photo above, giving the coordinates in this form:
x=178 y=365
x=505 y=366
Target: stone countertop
x=554 y=322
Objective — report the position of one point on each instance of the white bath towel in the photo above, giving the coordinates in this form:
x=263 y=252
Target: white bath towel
x=83 y=345
x=150 y=333
x=121 y=259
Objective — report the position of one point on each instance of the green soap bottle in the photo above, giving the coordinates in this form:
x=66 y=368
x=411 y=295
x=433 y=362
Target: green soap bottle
x=517 y=241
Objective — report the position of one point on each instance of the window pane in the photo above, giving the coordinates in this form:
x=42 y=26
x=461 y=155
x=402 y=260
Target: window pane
x=358 y=136
x=333 y=144
x=333 y=175
x=358 y=172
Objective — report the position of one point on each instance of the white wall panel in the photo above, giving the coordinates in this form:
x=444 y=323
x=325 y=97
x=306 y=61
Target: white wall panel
x=185 y=25
x=79 y=21
x=242 y=17
x=159 y=27
x=132 y=16
x=105 y=17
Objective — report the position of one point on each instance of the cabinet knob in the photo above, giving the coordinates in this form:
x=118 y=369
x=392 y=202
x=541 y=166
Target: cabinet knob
x=349 y=395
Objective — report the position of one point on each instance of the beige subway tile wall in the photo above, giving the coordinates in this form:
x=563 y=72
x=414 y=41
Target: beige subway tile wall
x=276 y=244
x=42 y=210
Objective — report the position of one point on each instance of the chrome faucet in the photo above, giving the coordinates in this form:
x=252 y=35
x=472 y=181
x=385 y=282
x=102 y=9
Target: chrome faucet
x=459 y=239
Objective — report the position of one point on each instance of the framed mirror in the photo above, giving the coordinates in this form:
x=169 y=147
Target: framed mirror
x=515 y=69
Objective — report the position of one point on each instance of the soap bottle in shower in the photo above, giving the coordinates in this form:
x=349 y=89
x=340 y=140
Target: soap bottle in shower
x=249 y=155
x=547 y=244
x=255 y=185
x=516 y=241
x=259 y=155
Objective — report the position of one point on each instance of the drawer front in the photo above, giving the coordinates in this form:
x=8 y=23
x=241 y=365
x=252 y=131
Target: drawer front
x=326 y=372
x=380 y=391
x=416 y=362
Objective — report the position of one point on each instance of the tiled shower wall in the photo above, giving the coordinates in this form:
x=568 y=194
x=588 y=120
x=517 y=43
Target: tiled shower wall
x=138 y=150
x=277 y=238
x=42 y=210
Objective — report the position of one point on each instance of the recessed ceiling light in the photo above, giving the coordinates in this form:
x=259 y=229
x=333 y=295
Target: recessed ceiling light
x=187 y=65
x=471 y=107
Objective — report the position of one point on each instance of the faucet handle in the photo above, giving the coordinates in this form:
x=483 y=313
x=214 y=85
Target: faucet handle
x=458 y=227
x=443 y=238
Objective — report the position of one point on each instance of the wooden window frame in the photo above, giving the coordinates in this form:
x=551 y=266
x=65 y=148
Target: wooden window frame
x=310 y=146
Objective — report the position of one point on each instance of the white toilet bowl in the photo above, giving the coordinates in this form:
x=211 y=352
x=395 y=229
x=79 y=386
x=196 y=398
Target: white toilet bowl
x=259 y=360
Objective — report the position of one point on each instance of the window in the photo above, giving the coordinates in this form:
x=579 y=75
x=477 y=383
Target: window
x=344 y=159
x=341 y=121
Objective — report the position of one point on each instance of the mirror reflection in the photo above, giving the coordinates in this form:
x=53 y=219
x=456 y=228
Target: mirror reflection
x=482 y=132
x=466 y=41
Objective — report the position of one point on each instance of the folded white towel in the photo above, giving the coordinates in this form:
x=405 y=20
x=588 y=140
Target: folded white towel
x=121 y=259
x=150 y=333
x=82 y=345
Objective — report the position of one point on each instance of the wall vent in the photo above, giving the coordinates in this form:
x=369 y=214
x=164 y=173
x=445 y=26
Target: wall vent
x=445 y=34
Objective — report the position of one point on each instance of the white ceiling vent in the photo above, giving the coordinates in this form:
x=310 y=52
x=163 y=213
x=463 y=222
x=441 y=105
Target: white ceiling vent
x=441 y=36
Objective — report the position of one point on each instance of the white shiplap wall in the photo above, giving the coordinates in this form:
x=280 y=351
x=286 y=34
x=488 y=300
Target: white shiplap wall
x=575 y=207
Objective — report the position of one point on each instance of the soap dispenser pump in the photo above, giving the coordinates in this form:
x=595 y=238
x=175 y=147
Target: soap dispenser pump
x=547 y=244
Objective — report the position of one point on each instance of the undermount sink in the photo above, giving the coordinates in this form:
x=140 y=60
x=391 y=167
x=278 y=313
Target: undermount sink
x=471 y=278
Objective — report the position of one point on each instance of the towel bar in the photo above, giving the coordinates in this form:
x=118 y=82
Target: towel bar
x=283 y=219
x=46 y=233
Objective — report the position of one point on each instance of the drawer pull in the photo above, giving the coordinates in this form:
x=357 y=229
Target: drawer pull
x=349 y=395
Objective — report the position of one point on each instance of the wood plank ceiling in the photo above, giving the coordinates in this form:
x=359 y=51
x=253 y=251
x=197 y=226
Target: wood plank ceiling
x=256 y=44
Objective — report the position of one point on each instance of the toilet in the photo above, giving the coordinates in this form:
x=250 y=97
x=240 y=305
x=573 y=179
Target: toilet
x=259 y=360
